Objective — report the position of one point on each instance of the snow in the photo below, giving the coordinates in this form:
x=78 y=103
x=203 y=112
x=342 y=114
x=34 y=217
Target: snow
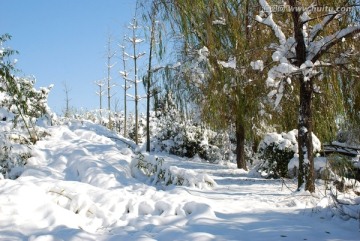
x=220 y=21
x=231 y=63
x=269 y=21
x=257 y=65
x=203 y=53
x=79 y=184
x=317 y=46
x=319 y=27
x=135 y=40
x=283 y=141
x=4 y=114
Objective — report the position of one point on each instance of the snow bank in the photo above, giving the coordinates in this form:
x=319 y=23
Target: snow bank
x=79 y=179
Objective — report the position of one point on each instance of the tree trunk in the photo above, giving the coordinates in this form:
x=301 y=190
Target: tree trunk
x=306 y=156
x=148 y=118
x=152 y=40
x=306 y=153
x=136 y=90
x=125 y=110
x=240 y=146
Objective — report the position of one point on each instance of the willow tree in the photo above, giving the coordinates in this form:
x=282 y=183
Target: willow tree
x=304 y=47
x=223 y=37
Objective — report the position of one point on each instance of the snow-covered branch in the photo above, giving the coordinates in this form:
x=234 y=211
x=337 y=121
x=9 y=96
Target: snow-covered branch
x=318 y=48
x=317 y=29
x=135 y=40
x=139 y=55
x=124 y=73
x=269 y=21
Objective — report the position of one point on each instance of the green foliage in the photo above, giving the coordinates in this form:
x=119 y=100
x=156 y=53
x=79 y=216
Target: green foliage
x=152 y=168
x=276 y=160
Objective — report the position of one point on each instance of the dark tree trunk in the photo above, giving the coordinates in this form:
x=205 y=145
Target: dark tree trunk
x=240 y=146
x=152 y=40
x=306 y=156
x=148 y=117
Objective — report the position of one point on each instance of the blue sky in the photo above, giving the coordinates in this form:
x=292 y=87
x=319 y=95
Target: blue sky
x=64 y=41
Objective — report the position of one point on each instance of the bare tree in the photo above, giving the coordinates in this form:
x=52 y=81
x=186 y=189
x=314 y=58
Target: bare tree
x=134 y=40
x=100 y=93
x=117 y=116
x=125 y=75
x=67 y=99
x=109 y=66
x=109 y=56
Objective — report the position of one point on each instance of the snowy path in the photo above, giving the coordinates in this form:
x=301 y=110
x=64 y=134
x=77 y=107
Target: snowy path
x=266 y=209
x=78 y=186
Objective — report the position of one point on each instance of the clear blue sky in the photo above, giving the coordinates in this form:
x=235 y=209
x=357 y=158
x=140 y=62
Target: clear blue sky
x=64 y=41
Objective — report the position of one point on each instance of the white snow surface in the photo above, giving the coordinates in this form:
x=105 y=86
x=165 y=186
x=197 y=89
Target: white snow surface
x=79 y=186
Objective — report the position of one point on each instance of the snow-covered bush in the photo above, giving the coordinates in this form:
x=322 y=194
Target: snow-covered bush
x=183 y=138
x=186 y=138
x=157 y=171
x=342 y=172
x=279 y=153
x=110 y=119
x=13 y=154
x=341 y=166
x=141 y=127
x=22 y=108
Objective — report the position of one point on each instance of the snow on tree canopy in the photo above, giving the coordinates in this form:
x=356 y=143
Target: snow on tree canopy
x=257 y=65
x=203 y=53
x=231 y=63
x=220 y=21
x=315 y=45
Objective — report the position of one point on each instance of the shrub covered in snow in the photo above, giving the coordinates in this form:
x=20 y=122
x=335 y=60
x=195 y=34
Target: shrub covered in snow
x=18 y=95
x=279 y=153
x=22 y=107
x=13 y=153
x=340 y=166
x=187 y=138
x=155 y=169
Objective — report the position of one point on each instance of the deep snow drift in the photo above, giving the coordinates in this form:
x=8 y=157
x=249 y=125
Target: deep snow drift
x=80 y=185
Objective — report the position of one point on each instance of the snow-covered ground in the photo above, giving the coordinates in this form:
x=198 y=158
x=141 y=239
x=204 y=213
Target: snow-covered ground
x=79 y=185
